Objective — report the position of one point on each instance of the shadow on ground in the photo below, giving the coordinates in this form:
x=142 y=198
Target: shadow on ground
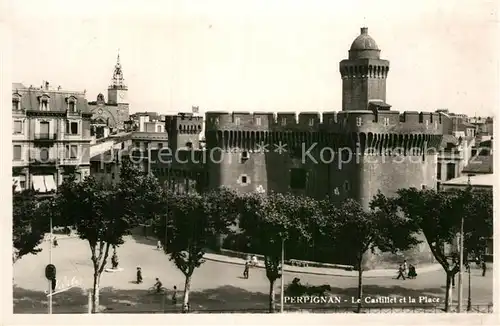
x=150 y=241
x=222 y=299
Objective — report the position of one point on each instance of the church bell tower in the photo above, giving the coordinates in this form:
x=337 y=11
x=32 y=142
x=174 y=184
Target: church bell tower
x=117 y=90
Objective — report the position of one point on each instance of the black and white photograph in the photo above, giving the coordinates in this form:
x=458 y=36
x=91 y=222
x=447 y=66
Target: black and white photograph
x=251 y=157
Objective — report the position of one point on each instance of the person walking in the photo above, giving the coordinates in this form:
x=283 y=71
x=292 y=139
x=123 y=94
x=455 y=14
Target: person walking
x=401 y=272
x=405 y=267
x=246 y=270
x=174 y=296
x=139 y=275
x=483 y=266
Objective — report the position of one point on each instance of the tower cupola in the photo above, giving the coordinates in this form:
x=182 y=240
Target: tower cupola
x=364 y=75
x=364 y=46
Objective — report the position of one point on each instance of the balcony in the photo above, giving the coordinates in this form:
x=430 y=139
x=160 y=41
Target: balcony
x=43 y=161
x=45 y=137
x=69 y=161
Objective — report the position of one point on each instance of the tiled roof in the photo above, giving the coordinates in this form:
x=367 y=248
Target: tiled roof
x=57 y=98
x=449 y=139
x=480 y=164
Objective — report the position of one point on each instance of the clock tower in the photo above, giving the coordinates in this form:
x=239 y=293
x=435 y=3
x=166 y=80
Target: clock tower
x=117 y=91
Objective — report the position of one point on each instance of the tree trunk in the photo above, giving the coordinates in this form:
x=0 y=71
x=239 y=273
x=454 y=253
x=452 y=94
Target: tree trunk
x=271 y=296
x=95 y=293
x=449 y=297
x=360 y=285
x=187 y=288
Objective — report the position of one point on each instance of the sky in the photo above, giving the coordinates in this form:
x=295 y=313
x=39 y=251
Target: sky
x=259 y=55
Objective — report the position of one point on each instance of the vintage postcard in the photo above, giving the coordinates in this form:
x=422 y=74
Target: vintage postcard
x=172 y=159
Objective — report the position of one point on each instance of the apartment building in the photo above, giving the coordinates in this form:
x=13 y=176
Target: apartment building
x=50 y=137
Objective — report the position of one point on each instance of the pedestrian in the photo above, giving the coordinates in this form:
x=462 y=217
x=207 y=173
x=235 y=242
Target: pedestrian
x=254 y=260
x=401 y=272
x=412 y=273
x=114 y=261
x=55 y=242
x=174 y=296
x=405 y=267
x=246 y=270
x=139 y=275
x=158 y=245
x=483 y=266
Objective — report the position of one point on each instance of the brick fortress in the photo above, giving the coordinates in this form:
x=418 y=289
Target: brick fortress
x=373 y=147
x=390 y=150
x=353 y=153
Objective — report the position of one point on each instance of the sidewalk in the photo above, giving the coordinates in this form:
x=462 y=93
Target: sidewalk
x=320 y=270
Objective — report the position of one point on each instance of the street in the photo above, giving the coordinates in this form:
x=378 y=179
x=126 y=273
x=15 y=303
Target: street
x=215 y=286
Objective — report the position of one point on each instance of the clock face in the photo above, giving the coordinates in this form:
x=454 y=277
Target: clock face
x=122 y=95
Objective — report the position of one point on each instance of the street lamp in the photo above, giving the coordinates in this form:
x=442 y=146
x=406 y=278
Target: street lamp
x=461 y=262
x=469 y=304
x=166 y=211
x=282 y=274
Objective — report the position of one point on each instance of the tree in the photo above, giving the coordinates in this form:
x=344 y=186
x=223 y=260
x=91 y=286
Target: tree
x=29 y=223
x=269 y=221
x=359 y=230
x=191 y=222
x=438 y=216
x=103 y=213
x=478 y=220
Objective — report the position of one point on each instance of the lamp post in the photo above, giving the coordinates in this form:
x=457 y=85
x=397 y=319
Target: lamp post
x=166 y=211
x=50 y=262
x=469 y=304
x=461 y=262
x=282 y=274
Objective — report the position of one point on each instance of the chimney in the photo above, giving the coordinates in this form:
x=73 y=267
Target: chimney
x=47 y=85
x=364 y=30
x=59 y=87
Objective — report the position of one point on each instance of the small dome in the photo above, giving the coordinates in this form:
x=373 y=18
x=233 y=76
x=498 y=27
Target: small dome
x=364 y=41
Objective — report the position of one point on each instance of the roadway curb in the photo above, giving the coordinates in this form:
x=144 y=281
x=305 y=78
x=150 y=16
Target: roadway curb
x=301 y=272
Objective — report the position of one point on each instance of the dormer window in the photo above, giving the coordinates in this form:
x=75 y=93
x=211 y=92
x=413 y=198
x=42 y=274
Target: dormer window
x=71 y=103
x=258 y=121
x=44 y=102
x=15 y=104
x=16 y=101
x=45 y=105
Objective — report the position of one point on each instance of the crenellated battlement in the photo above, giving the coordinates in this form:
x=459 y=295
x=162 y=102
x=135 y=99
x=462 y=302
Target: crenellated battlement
x=184 y=123
x=338 y=122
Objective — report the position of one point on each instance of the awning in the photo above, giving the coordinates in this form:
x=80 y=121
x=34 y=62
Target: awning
x=38 y=183
x=17 y=183
x=50 y=183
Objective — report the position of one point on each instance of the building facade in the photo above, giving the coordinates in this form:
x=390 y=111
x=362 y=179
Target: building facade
x=51 y=136
x=111 y=114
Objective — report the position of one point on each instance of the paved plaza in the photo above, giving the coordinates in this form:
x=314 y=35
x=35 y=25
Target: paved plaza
x=216 y=286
